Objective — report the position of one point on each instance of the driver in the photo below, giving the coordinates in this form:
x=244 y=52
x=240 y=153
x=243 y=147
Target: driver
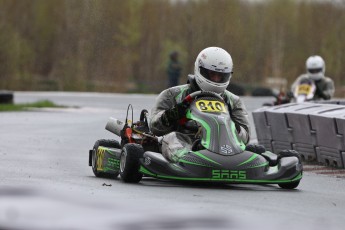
x=212 y=72
x=315 y=66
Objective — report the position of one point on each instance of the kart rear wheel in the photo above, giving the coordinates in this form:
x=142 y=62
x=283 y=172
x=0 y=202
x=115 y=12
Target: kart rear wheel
x=291 y=185
x=103 y=143
x=129 y=163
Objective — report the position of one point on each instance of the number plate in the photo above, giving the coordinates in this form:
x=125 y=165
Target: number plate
x=304 y=89
x=211 y=106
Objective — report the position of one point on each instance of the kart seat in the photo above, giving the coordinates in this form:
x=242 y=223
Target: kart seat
x=142 y=125
x=142 y=129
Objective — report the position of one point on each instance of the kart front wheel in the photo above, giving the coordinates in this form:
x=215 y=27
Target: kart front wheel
x=95 y=157
x=129 y=163
x=291 y=185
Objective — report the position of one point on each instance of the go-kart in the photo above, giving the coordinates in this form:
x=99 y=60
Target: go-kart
x=216 y=155
x=304 y=91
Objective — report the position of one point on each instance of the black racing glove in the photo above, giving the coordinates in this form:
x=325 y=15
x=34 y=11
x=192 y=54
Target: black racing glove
x=289 y=95
x=173 y=115
x=319 y=93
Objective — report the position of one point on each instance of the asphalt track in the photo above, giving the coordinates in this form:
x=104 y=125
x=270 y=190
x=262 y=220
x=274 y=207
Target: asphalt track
x=45 y=181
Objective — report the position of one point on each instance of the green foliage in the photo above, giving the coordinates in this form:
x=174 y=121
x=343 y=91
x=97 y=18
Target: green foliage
x=26 y=106
x=123 y=46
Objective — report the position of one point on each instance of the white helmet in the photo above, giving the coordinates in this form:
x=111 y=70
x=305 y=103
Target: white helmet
x=210 y=62
x=315 y=67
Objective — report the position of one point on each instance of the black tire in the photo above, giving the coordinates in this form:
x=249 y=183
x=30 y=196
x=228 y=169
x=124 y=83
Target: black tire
x=104 y=143
x=262 y=92
x=129 y=163
x=6 y=97
x=291 y=185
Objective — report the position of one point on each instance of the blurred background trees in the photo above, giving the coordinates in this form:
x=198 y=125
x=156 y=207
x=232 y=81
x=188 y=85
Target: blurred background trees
x=123 y=46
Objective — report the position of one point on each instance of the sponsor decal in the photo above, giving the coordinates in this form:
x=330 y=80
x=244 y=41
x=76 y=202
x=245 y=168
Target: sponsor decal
x=226 y=149
x=105 y=162
x=229 y=174
x=100 y=156
x=147 y=161
x=113 y=163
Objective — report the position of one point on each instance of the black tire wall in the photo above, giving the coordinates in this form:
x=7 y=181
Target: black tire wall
x=6 y=97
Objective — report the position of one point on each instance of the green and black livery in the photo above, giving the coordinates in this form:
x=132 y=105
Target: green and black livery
x=218 y=155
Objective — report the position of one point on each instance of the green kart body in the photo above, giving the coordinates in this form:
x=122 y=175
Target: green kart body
x=219 y=156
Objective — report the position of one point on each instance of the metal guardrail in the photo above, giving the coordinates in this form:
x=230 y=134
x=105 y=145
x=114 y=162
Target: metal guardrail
x=315 y=130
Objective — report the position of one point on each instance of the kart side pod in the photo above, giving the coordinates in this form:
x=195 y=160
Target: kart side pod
x=115 y=126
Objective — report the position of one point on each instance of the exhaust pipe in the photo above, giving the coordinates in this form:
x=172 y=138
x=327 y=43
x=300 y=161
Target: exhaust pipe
x=115 y=126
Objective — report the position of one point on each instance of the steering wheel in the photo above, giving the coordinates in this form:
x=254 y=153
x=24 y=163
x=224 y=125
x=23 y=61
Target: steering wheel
x=189 y=98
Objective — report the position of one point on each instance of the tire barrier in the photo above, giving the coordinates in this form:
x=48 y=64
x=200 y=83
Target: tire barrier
x=262 y=92
x=236 y=89
x=336 y=102
x=6 y=97
x=315 y=130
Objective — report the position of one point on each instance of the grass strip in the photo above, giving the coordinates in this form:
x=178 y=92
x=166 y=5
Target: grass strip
x=26 y=106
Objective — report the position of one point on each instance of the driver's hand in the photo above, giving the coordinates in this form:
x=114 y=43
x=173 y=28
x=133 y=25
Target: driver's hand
x=321 y=94
x=289 y=95
x=318 y=92
x=173 y=115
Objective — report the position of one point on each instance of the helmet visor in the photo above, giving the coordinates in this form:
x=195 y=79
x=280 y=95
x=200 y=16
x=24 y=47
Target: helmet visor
x=214 y=76
x=318 y=70
x=306 y=81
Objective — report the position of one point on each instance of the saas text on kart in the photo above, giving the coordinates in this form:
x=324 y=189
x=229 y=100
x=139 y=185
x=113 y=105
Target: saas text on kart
x=210 y=152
